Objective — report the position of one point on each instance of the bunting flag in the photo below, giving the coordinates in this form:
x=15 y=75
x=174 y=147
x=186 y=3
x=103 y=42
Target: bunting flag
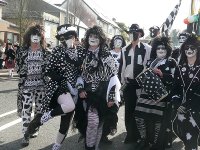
x=166 y=26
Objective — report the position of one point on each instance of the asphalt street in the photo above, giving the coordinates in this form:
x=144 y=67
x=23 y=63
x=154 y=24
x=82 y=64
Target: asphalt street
x=10 y=127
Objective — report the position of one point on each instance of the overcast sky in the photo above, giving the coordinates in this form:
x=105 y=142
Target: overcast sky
x=144 y=12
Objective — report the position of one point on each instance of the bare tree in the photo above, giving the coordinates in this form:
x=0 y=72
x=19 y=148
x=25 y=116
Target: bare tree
x=124 y=28
x=19 y=12
x=26 y=16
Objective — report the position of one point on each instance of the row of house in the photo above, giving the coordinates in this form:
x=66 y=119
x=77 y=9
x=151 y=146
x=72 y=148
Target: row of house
x=17 y=15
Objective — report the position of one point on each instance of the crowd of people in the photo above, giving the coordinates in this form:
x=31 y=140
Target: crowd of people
x=86 y=83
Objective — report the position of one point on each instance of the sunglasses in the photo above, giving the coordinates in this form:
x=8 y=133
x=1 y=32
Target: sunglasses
x=63 y=38
x=161 y=47
x=187 y=47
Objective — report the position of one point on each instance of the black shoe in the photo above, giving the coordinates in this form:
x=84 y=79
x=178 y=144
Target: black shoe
x=34 y=135
x=141 y=145
x=25 y=141
x=89 y=148
x=34 y=125
x=105 y=140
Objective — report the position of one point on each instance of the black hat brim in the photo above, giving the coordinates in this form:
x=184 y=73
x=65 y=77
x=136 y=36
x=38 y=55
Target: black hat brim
x=139 y=30
x=67 y=35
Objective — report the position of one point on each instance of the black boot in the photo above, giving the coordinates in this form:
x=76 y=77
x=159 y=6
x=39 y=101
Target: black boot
x=141 y=144
x=89 y=148
x=25 y=141
x=33 y=126
x=35 y=134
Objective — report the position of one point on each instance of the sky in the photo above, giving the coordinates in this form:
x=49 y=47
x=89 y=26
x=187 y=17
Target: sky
x=146 y=13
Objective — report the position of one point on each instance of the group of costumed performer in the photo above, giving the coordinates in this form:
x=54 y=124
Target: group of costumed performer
x=63 y=69
x=186 y=94
x=100 y=91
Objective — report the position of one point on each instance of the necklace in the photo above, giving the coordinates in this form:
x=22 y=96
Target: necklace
x=190 y=65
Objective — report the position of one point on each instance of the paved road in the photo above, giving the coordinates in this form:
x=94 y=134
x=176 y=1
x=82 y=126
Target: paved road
x=10 y=127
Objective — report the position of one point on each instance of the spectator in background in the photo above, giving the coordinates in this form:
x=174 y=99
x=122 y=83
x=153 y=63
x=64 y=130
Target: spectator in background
x=9 y=58
x=16 y=47
x=1 y=57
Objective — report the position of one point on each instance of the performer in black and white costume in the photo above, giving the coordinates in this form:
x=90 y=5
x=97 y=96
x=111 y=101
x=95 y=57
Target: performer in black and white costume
x=116 y=45
x=30 y=65
x=149 y=114
x=133 y=60
x=187 y=94
x=101 y=84
x=176 y=54
x=63 y=69
x=110 y=127
x=154 y=31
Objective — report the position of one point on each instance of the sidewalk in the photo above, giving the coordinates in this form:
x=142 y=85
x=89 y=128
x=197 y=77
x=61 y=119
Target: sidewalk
x=5 y=73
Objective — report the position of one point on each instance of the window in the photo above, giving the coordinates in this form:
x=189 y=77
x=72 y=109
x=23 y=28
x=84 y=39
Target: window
x=10 y=37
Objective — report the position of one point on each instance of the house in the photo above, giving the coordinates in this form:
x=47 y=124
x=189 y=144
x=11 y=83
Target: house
x=77 y=12
x=88 y=13
x=35 y=11
x=8 y=30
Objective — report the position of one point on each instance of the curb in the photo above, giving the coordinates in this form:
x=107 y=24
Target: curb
x=5 y=73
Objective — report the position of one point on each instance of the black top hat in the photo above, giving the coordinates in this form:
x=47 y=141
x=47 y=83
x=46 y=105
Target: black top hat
x=136 y=28
x=66 y=30
x=154 y=31
x=154 y=28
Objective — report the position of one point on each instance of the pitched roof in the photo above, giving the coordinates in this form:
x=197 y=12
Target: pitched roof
x=98 y=11
x=3 y=2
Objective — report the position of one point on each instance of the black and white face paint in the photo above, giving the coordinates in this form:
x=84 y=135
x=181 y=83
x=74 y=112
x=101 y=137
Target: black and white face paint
x=190 y=51
x=93 y=40
x=182 y=39
x=161 y=51
x=118 y=43
x=35 y=38
x=133 y=36
x=70 y=42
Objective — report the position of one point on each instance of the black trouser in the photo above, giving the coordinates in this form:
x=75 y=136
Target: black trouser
x=110 y=121
x=130 y=98
x=1 y=63
x=65 y=122
x=186 y=128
